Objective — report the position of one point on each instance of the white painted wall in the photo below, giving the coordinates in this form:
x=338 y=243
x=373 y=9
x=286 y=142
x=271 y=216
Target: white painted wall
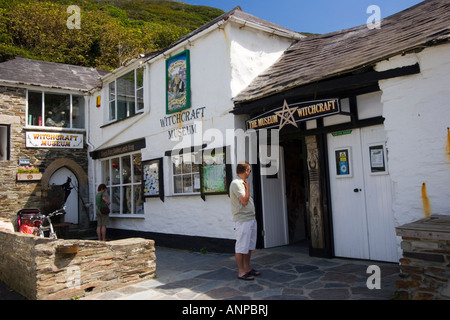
x=417 y=113
x=223 y=62
x=251 y=53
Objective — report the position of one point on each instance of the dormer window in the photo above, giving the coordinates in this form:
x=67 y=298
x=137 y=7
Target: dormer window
x=126 y=95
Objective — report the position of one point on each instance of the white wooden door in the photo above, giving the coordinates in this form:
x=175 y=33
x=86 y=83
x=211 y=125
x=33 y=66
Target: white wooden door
x=58 y=178
x=273 y=190
x=347 y=196
x=361 y=195
x=378 y=194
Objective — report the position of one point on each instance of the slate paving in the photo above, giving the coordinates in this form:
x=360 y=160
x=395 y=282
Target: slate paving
x=287 y=273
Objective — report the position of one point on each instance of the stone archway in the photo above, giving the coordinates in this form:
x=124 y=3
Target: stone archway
x=83 y=185
x=70 y=164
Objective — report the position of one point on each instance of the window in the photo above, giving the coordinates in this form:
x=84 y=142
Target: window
x=55 y=110
x=4 y=142
x=186 y=173
x=122 y=176
x=126 y=95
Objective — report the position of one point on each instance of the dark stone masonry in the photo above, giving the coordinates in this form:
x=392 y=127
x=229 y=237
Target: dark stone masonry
x=425 y=265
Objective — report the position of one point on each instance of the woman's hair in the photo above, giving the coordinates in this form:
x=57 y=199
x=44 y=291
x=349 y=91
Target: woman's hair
x=242 y=167
x=101 y=187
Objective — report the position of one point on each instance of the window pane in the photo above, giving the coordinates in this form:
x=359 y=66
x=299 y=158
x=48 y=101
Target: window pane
x=139 y=78
x=112 y=91
x=115 y=200
x=140 y=99
x=57 y=110
x=78 y=112
x=125 y=96
x=139 y=88
x=176 y=161
x=34 y=108
x=105 y=173
x=112 y=110
x=178 y=184
x=131 y=111
x=196 y=182
x=115 y=164
x=127 y=199
x=196 y=161
x=138 y=203
x=137 y=169
x=188 y=184
x=112 y=101
x=187 y=163
x=126 y=169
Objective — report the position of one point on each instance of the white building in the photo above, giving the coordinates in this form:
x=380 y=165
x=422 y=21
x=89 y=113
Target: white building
x=362 y=116
x=133 y=123
x=385 y=159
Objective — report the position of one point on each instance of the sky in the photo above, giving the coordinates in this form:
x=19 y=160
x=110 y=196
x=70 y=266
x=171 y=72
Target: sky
x=314 y=16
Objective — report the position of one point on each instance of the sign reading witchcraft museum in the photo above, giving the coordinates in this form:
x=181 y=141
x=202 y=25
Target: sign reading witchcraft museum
x=60 y=140
x=291 y=114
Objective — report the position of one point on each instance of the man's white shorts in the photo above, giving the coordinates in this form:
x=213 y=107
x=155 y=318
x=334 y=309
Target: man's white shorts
x=245 y=236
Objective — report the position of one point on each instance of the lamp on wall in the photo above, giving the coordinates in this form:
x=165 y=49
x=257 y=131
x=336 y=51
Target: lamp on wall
x=98 y=101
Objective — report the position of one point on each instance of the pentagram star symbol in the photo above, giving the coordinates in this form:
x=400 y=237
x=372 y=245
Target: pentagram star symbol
x=286 y=115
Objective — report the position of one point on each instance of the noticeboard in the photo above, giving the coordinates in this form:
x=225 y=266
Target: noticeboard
x=215 y=173
x=152 y=178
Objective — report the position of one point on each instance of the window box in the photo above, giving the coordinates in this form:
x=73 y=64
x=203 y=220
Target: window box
x=29 y=176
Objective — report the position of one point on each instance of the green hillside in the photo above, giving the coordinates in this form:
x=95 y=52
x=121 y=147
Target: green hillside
x=110 y=31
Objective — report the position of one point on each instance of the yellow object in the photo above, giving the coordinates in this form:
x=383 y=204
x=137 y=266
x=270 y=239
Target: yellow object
x=425 y=201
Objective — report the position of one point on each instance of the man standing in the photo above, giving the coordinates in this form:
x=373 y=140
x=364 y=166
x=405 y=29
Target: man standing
x=243 y=211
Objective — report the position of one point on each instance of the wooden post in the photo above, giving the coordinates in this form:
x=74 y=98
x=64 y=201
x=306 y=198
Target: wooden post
x=315 y=206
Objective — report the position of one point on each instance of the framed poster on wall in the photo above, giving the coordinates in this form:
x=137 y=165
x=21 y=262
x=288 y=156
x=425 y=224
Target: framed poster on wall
x=152 y=178
x=178 y=83
x=377 y=158
x=215 y=173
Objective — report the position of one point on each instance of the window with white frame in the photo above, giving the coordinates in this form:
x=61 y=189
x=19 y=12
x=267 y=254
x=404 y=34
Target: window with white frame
x=45 y=109
x=126 y=95
x=123 y=176
x=186 y=173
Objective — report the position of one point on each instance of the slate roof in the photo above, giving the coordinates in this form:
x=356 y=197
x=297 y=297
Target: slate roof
x=49 y=74
x=325 y=56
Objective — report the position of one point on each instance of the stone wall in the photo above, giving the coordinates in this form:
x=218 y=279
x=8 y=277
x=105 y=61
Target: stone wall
x=15 y=194
x=425 y=265
x=37 y=269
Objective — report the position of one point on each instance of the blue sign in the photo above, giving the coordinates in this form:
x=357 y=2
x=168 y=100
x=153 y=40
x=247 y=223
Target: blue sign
x=342 y=162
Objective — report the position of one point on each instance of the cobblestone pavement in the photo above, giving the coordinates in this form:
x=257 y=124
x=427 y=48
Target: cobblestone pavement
x=287 y=273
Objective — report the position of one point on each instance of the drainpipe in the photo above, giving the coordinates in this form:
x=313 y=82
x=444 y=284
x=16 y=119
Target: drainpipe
x=92 y=147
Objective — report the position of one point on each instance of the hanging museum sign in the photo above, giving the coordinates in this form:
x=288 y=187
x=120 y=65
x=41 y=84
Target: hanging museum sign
x=294 y=113
x=60 y=140
x=178 y=83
